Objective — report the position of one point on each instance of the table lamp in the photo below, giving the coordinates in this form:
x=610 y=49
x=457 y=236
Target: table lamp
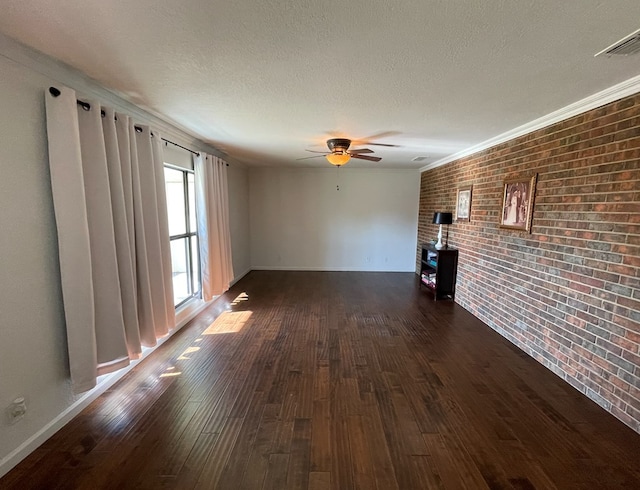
x=440 y=218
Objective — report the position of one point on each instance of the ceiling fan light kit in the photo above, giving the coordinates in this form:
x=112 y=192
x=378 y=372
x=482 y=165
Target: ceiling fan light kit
x=338 y=159
x=339 y=144
x=339 y=153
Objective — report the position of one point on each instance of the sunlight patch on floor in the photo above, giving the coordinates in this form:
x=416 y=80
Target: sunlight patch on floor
x=228 y=322
x=169 y=373
x=188 y=350
x=241 y=297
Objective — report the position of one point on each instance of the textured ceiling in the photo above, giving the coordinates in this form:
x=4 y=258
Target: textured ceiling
x=264 y=80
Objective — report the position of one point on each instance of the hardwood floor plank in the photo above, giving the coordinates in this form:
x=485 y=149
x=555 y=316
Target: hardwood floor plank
x=276 y=478
x=362 y=464
x=321 y=437
x=299 y=455
x=258 y=462
x=236 y=465
x=378 y=451
x=319 y=480
x=217 y=458
x=453 y=463
x=427 y=474
x=194 y=465
x=341 y=380
x=177 y=444
x=341 y=465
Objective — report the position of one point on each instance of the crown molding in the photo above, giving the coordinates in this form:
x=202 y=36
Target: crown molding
x=59 y=72
x=611 y=94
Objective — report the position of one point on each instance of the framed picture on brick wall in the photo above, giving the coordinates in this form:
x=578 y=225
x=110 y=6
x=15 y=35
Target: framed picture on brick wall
x=463 y=207
x=517 y=203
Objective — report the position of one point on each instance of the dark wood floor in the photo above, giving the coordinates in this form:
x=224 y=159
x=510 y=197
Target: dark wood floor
x=337 y=381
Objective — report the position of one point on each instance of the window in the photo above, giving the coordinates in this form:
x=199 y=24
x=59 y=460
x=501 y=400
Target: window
x=181 y=207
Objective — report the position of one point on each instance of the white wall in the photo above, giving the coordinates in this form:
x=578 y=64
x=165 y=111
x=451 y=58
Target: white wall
x=32 y=335
x=299 y=220
x=33 y=351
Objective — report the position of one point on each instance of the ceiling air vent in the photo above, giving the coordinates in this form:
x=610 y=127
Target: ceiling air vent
x=625 y=47
x=419 y=159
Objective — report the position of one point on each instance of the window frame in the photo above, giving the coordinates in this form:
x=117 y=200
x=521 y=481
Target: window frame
x=194 y=284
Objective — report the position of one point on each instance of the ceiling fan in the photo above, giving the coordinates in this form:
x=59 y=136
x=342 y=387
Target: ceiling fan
x=339 y=152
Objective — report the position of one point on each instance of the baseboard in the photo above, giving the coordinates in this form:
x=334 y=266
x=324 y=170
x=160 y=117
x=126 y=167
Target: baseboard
x=322 y=269
x=104 y=383
x=240 y=276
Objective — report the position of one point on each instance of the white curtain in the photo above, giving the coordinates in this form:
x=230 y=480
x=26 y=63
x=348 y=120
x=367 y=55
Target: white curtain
x=113 y=239
x=213 y=225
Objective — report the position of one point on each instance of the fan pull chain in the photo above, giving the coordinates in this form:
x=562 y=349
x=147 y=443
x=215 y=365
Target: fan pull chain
x=337 y=178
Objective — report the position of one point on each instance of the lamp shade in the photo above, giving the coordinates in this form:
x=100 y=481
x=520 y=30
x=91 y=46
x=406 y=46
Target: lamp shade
x=338 y=159
x=442 y=218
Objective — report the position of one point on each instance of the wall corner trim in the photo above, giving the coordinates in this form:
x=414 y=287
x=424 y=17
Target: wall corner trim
x=611 y=94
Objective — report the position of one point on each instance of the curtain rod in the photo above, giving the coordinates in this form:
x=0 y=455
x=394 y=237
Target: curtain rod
x=86 y=106
x=180 y=146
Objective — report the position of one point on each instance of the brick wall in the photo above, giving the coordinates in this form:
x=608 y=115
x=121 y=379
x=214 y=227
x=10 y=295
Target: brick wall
x=568 y=293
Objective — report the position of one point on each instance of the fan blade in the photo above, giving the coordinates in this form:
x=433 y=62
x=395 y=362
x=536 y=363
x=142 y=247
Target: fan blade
x=366 y=157
x=307 y=158
x=379 y=144
x=314 y=151
x=369 y=139
x=361 y=150
x=382 y=134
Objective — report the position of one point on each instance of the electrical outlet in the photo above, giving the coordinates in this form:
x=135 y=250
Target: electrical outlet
x=16 y=410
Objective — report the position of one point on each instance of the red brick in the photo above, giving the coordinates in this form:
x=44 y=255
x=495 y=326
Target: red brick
x=581 y=263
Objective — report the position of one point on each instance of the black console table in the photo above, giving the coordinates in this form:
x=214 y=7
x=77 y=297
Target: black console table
x=438 y=270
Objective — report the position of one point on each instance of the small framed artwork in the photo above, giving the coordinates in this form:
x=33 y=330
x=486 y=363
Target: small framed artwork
x=517 y=203
x=463 y=207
